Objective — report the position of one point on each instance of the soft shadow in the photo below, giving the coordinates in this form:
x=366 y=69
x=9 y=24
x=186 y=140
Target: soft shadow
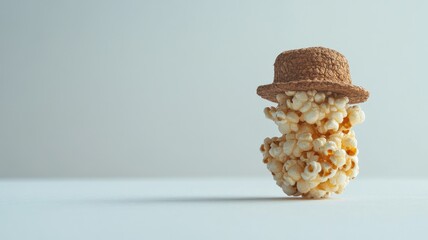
x=183 y=200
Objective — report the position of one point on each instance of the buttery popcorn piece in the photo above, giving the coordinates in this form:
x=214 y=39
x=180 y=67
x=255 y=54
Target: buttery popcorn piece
x=317 y=152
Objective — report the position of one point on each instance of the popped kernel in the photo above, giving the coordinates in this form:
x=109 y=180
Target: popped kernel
x=317 y=152
x=311 y=170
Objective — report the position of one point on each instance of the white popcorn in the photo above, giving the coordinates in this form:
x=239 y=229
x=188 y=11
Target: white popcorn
x=311 y=170
x=289 y=190
x=339 y=158
x=305 y=186
x=336 y=116
x=319 y=97
x=348 y=164
x=310 y=156
x=296 y=104
x=288 y=180
x=268 y=112
x=306 y=107
x=294 y=172
x=278 y=177
x=304 y=141
x=317 y=152
x=332 y=125
x=279 y=116
x=311 y=94
x=275 y=151
x=353 y=170
x=349 y=142
x=301 y=96
x=290 y=93
x=356 y=115
x=336 y=138
x=293 y=117
x=305 y=128
x=274 y=166
x=340 y=103
x=325 y=108
x=354 y=160
x=289 y=146
x=328 y=171
x=317 y=193
x=290 y=136
x=287 y=127
x=329 y=148
x=281 y=98
x=288 y=164
x=287 y=122
x=304 y=145
x=339 y=179
x=353 y=173
x=318 y=143
x=311 y=116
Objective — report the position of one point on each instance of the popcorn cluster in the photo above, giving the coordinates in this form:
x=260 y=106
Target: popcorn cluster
x=317 y=152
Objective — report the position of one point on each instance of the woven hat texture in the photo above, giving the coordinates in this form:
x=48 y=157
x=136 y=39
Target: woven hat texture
x=314 y=68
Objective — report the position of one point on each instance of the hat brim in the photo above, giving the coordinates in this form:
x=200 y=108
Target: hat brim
x=356 y=94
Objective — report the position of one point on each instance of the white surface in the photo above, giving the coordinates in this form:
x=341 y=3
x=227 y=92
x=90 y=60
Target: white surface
x=208 y=209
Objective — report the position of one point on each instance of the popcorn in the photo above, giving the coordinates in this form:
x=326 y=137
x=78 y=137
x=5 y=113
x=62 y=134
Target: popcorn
x=318 y=143
x=300 y=96
x=274 y=166
x=328 y=170
x=275 y=151
x=281 y=98
x=328 y=148
x=311 y=116
x=317 y=152
x=331 y=125
x=339 y=179
x=319 y=97
x=293 y=117
x=290 y=93
x=304 y=141
x=289 y=180
x=356 y=115
x=279 y=116
x=289 y=190
x=336 y=138
x=290 y=146
x=310 y=156
x=286 y=122
x=311 y=170
x=338 y=158
x=317 y=193
x=290 y=163
x=305 y=107
x=353 y=170
x=341 y=103
x=349 y=142
x=295 y=172
x=305 y=186
x=336 y=116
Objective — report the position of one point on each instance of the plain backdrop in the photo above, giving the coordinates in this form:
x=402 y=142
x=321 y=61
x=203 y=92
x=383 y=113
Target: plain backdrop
x=168 y=88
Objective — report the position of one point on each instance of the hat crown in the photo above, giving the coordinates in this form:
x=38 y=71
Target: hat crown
x=315 y=63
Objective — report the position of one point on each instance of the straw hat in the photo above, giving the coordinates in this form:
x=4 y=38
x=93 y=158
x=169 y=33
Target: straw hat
x=314 y=68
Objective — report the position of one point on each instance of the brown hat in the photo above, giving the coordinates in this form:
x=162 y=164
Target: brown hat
x=314 y=68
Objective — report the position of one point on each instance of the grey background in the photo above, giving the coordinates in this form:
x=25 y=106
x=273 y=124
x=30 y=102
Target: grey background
x=167 y=88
